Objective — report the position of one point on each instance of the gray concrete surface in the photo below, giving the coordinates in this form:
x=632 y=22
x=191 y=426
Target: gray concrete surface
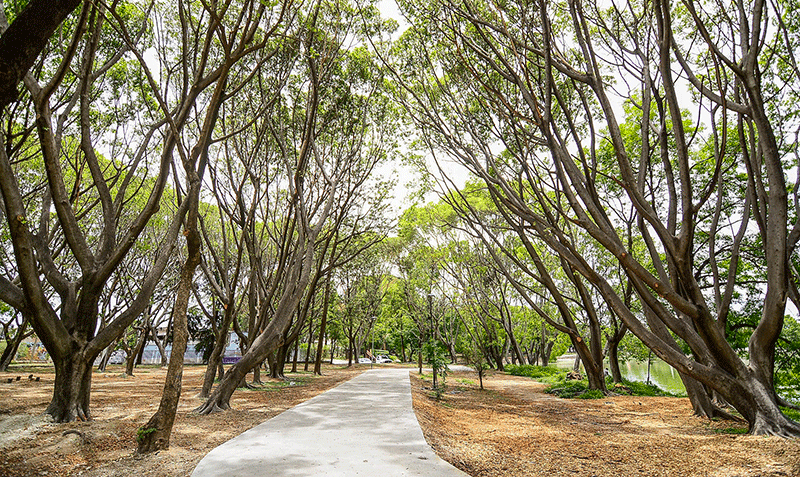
x=365 y=426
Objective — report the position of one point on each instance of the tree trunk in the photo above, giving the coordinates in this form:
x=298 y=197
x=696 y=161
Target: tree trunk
x=12 y=347
x=137 y=349
x=323 y=329
x=613 y=353
x=106 y=357
x=161 y=350
x=310 y=342
x=72 y=388
x=263 y=345
x=613 y=362
x=402 y=342
x=547 y=349
x=155 y=435
x=215 y=360
x=276 y=368
x=296 y=353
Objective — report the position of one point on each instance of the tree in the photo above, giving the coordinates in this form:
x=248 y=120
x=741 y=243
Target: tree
x=239 y=28
x=321 y=132
x=535 y=80
x=76 y=250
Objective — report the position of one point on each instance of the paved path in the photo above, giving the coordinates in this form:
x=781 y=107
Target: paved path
x=365 y=426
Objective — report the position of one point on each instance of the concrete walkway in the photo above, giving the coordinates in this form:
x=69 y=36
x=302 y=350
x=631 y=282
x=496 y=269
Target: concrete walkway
x=365 y=426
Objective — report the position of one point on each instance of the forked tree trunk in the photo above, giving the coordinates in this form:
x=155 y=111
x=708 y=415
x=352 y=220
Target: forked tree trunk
x=276 y=371
x=593 y=369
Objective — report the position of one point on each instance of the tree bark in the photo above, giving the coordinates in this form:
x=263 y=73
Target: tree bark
x=72 y=388
x=155 y=435
x=323 y=327
x=23 y=41
x=12 y=346
x=215 y=360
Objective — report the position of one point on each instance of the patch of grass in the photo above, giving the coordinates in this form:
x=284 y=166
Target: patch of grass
x=731 y=430
x=465 y=381
x=289 y=382
x=592 y=394
x=636 y=388
x=568 y=390
x=533 y=372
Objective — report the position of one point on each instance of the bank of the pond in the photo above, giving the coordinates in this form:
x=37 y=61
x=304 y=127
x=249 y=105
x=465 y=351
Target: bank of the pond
x=660 y=373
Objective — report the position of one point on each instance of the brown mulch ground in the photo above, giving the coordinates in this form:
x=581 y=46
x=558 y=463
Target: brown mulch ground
x=106 y=445
x=512 y=428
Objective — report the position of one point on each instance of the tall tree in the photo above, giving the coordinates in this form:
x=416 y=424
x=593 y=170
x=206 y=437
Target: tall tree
x=76 y=250
x=535 y=82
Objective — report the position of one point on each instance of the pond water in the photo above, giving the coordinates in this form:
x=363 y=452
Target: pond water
x=661 y=374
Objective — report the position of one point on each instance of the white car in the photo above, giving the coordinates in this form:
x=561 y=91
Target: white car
x=383 y=359
x=364 y=361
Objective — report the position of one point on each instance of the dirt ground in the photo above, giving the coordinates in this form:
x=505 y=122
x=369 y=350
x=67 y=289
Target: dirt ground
x=512 y=428
x=106 y=445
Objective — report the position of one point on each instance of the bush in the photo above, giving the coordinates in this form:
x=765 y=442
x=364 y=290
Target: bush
x=532 y=371
x=592 y=394
x=636 y=388
x=569 y=390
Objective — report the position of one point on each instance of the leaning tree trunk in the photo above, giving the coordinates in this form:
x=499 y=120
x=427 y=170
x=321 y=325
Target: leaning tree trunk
x=268 y=340
x=156 y=433
x=266 y=343
x=215 y=360
x=135 y=352
x=12 y=347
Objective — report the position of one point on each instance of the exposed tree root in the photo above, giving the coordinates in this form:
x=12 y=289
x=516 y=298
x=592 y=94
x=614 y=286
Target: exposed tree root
x=209 y=408
x=722 y=414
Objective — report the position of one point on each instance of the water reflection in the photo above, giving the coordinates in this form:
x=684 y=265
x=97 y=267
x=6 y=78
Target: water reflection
x=661 y=374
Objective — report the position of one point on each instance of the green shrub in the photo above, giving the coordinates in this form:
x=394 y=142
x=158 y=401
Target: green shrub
x=636 y=388
x=592 y=394
x=532 y=371
x=569 y=389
